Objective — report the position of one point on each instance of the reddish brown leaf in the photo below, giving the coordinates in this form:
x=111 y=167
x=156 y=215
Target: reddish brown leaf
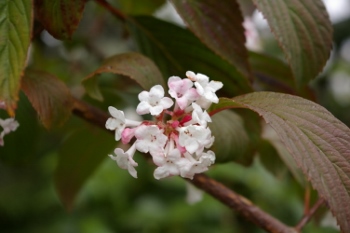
x=49 y=96
x=219 y=25
x=318 y=142
x=304 y=32
x=133 y=65
x=59 y=17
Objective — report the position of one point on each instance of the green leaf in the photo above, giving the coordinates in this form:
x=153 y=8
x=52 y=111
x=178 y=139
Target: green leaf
x=271 y=74
x=49 y=96
x=304 y=32
x=137 y=7
x=80 y=155
x=15 y=32
x=60 y=17
x=318 y=142
x=269 y=157
x=133 y=65
x=231 y=143
x=218 y=24
x=22 y=146
x=275 y=156
x=175 y=51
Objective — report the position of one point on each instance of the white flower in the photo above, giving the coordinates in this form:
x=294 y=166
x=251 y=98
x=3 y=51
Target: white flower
x=118 y=122
x=205 y=89
x=190 y=166
x=199 y=116
x=8 y=125
x=125 y=159
x=153 y=102
x=150 y=139
x=194 y=138
x=167 y=162
x=207 y=158
x=182 y=91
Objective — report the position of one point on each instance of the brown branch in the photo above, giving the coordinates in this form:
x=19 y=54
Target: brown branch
x=307 y=216
x=240 y=204
x=90 y=113
x=111 y=9
x=228 y=197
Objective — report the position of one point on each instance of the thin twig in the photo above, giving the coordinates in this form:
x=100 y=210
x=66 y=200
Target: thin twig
x=307 y=216
x=228 y=197
x=307 y=197
x=112 y=9
x=240 y=204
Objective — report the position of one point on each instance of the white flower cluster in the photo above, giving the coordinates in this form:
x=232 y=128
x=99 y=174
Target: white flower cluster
x=179 y=138
x=8 y=125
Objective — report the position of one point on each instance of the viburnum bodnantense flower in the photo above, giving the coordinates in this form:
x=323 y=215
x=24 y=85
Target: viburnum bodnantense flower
x=179 y=138
x=8 y=125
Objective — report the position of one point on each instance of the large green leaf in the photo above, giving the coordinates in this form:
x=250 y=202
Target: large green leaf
x=318 y=142
x=304 y=32
x=175 y=51
x=231 y=143
x=80 y=154
x=271 y=74
x=218 y=24
x=15 y=33
x=60 y=17
x=49 y=96
x=22 y=146
x=133 y=65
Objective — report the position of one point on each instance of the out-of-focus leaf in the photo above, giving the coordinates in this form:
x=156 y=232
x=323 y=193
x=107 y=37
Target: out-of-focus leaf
x=231 y=143
x=21 y=146
x=59 y=17
x=318 y=142
x=80 y=154
x=304 y=32
x=270 y=159
x=247 y=7
x=49 y=96
x=175 y=51
x=283 y=155
x=218 y=24
x=133 y=65
x=137 y=7
x=15 y=33
x=271 y=74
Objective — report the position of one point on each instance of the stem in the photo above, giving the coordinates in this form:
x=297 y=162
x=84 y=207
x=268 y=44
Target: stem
x=307 y=198
x=90 y=113
x=240 y=204
x=307 y=216
x=228 y=197
x=111 y=9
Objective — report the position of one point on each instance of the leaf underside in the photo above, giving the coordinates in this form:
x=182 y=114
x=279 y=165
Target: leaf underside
x=15 y=32
x=318 y=142
x=304 y=31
